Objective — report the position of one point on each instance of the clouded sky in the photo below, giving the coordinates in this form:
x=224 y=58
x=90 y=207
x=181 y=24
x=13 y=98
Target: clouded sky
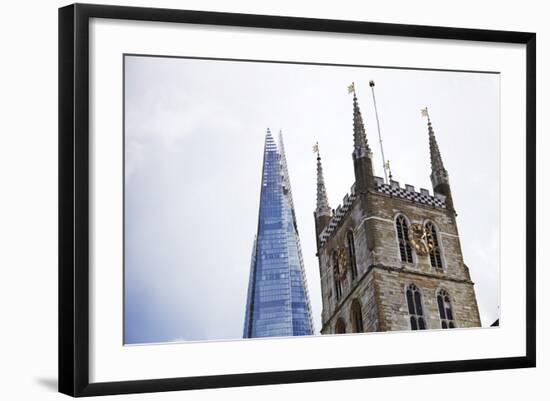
x=194 y=133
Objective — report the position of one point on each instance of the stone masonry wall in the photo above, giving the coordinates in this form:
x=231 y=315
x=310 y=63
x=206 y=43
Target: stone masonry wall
x=382 y=276
x=383 y=211
x=363 y=292
x=392 y=300
x=338 y=239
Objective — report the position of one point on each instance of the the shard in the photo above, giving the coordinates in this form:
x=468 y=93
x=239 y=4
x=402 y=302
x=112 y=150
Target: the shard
x=278 y=301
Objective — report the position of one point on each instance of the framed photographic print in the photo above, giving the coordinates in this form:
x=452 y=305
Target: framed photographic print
x=251 y=199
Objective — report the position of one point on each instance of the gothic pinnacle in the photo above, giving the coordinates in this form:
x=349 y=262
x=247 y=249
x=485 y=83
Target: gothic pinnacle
x=360 y=144
x=435 y=155
x=439 y=175
x=323 y=208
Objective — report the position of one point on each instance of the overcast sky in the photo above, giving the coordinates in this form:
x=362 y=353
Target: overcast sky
x=194 y=134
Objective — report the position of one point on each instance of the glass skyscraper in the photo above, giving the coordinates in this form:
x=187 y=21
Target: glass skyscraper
x=278 y=300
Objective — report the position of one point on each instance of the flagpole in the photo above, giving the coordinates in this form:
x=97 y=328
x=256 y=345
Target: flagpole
x=371 y=84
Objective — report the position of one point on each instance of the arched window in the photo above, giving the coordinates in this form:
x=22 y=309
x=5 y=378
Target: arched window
x=351 y=255
x=336 y=274
x=414 y=303
x=435 y=254
x=445 y=310
x=402 y=228
x=356 y=317
x=340 y=327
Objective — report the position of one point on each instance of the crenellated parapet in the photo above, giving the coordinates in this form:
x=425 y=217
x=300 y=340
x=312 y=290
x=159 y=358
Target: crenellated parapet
x=338 y=216
x=393 y=189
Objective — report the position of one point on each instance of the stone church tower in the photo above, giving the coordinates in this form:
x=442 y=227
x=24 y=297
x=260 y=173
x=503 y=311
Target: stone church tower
x=390 y=257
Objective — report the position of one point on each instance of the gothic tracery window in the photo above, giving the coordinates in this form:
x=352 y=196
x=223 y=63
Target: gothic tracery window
x=351 y=255
x=405 y=249
x=356 y=317
x=435 y=254
x=336 y=274
x=445 y=310
x=340 y=327
x=414 y=304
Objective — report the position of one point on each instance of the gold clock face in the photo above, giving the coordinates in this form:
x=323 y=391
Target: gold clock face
x=420 y=239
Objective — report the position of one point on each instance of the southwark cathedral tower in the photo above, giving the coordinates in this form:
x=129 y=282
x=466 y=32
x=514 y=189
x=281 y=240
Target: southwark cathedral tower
x=390 y=255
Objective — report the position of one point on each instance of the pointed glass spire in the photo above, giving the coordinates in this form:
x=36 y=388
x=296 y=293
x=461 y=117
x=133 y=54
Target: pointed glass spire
x=278 y=300
x=284 y=168
x=361 y=146
x=323 y=208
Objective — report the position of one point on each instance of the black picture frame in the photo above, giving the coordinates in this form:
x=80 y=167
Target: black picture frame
x=74 y=198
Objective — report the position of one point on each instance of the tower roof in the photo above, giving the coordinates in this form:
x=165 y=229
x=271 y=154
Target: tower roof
x=323 y=208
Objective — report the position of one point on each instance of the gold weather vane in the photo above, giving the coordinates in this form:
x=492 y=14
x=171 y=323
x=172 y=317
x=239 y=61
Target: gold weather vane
x=351 y=88
x=424 y=112
x=387 y=167
x=316 y=148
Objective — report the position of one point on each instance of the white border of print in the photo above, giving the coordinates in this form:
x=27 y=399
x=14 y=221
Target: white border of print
x=111 y=361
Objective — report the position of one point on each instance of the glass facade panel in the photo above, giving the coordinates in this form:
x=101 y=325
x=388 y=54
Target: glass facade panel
x=278 y=300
